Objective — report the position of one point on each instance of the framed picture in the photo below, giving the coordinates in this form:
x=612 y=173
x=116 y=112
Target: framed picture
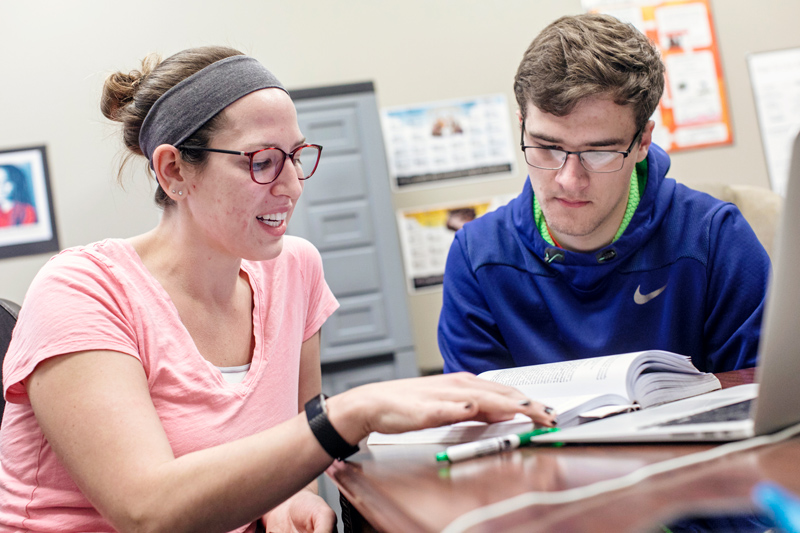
x=27 y=220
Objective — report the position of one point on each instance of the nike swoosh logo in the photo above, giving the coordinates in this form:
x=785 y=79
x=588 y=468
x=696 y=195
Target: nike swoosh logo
x=642 y=299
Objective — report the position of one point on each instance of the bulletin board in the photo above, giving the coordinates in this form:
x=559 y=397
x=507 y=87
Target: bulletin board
x=694 y=110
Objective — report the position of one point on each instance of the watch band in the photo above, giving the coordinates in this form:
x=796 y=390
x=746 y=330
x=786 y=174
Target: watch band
x=330 y=440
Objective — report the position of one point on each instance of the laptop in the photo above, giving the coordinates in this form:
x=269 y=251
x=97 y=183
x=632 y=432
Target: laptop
x=744 y=411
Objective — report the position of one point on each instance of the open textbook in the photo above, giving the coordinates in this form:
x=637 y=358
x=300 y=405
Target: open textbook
x=579 y=391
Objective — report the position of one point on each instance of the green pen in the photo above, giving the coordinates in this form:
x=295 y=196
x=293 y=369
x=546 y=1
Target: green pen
x=468 y=450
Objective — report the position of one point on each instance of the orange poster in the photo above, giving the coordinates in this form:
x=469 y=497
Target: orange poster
x=693 y=112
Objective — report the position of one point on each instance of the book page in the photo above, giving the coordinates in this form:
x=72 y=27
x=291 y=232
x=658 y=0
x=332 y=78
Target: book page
x=661 y=387
x=570 y=409
x=455 y=433
x=597 y=375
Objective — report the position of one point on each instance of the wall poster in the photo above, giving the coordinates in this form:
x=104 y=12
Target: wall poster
x=775 y=77
x=27 y=222
x=694 y=110
x=426 y=234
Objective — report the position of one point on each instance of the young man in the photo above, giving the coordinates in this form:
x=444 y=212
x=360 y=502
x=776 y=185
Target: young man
x=600 y=253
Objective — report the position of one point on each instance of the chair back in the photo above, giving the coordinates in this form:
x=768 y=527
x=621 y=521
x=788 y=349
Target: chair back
x=8 y=318
x=760 y=206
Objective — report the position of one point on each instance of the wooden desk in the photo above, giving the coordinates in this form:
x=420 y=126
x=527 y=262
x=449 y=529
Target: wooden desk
x=403 y=489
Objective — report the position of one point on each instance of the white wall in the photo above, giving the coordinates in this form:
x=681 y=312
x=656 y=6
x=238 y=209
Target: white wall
x=54 y=56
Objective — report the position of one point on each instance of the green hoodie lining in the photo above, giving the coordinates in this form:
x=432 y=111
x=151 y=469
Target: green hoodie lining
x=635 y=192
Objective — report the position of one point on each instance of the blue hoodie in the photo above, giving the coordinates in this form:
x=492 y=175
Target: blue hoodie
x=688 y=275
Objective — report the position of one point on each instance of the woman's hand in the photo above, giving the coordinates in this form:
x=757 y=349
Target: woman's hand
x=418 y=403
x=305 y=512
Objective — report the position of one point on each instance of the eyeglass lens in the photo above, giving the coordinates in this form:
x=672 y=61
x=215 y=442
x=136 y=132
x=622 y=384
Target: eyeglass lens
x=599 y=161
x=267 y=164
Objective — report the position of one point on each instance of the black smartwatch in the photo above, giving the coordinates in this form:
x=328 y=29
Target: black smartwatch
x=326 y=434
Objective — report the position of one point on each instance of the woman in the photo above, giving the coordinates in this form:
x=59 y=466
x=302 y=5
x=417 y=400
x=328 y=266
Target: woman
x=120 y=417
x=15 y=201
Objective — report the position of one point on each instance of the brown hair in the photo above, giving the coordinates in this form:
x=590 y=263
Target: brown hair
x=588 y=55
x=127 y=98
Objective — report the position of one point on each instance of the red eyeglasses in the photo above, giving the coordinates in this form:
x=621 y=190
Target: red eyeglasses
x=266 y=164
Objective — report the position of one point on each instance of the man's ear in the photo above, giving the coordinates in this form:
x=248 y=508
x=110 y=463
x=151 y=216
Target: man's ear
x=169 y=169
x=646 y=141
x=519 y=117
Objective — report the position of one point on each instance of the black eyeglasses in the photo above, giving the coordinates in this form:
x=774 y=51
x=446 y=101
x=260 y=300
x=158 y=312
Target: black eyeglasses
x=266 y=164
x=601 y=161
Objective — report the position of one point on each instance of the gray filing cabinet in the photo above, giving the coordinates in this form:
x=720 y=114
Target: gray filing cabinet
x=346 y=211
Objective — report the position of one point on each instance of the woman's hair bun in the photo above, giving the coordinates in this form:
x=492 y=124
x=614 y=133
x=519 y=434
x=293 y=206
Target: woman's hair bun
x=120 y=88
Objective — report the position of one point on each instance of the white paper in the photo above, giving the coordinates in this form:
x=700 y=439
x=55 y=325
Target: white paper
x=693 y=85
x=775 y=77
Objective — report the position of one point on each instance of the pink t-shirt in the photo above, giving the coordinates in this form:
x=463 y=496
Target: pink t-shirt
x=101 y=297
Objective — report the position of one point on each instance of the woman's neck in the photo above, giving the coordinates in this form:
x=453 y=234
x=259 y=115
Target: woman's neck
x=180 y=262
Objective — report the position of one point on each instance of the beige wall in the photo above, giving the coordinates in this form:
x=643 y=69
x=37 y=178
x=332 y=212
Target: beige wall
x=55 y=54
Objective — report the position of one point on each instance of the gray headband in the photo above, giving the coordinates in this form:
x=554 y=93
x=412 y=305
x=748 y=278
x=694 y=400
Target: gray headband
x=184 y=108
